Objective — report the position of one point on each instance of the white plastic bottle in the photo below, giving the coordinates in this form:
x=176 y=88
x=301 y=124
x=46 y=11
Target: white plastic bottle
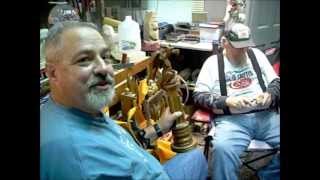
x=129 y=35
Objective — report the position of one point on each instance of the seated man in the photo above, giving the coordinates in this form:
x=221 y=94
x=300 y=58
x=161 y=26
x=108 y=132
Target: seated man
x=77 y=140
x=243 y=91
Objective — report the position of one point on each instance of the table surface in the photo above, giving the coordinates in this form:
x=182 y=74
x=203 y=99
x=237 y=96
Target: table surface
x=201 y=46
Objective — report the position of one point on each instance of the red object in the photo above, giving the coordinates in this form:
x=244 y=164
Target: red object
x=276 y=67
x=201 y=116
x=150 y=46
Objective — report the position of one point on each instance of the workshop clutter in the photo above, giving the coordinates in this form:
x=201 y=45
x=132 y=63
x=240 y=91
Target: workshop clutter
x=145 y=100
x=140 y=116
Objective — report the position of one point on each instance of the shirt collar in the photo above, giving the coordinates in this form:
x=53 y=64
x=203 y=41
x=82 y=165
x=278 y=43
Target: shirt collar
x=101 y=118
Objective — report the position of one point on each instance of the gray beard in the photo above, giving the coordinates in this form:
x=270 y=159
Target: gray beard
x=99 y=99
x=241 y=60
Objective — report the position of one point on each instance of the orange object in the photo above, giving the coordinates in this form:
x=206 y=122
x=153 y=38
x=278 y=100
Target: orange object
x=163 y=150
x=140 y=119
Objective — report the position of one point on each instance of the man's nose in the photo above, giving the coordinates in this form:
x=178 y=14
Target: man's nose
x=103 y=68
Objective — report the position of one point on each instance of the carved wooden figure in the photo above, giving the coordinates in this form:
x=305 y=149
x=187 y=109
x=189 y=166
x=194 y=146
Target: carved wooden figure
x=170 y=82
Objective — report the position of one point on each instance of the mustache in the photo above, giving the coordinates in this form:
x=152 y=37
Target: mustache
x=97 y=79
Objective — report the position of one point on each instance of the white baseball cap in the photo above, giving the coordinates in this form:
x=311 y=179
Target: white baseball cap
x=239 y=36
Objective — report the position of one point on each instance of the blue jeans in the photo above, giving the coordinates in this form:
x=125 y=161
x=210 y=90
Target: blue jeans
x=191 y=165
x=233 y=134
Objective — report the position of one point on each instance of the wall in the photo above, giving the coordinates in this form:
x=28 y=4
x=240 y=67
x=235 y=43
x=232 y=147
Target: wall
x=171 y=11
x=134 y=8
x=264 y=20
x=215 y=8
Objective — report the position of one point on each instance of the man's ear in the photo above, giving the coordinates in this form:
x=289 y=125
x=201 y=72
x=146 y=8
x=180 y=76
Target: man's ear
x=50 y=70
x=223 y=41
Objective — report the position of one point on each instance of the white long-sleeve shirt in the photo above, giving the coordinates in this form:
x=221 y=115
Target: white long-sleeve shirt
x=240 y=81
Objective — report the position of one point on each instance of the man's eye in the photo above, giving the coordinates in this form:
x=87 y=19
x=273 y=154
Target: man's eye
x=84 y=60
x=106 y=57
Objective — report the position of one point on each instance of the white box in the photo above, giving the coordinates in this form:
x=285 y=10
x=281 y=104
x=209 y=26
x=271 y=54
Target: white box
x=209 y=33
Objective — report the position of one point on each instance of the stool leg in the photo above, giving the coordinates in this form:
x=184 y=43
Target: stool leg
x=207 y=146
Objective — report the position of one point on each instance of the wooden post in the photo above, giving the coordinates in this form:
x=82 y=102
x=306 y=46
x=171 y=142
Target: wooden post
x=84 y=8
x=100 y=12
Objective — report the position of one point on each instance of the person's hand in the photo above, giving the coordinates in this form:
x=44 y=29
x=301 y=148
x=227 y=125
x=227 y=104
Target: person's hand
x=167 y=119
x=238 y=102
x=263 y=99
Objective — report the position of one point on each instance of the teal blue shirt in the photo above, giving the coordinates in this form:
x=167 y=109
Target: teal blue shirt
x=75 y=145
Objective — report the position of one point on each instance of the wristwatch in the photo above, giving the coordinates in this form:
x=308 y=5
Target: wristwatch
x=158 y=130
x=143 y=140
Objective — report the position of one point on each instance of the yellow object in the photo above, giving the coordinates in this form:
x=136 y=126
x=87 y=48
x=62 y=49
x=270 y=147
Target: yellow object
x=105 y=110
x=123 y=124
x=140 y=119
x=112 y=22
x=137 y=110
x=163 y=150
x=142 y=91
x=131 y=112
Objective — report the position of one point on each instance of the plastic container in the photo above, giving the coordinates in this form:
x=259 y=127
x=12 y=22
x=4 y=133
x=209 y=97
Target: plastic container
x=129 y=35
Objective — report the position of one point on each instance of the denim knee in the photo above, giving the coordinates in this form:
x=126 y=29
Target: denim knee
x=222 y=147
x=224 y=151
